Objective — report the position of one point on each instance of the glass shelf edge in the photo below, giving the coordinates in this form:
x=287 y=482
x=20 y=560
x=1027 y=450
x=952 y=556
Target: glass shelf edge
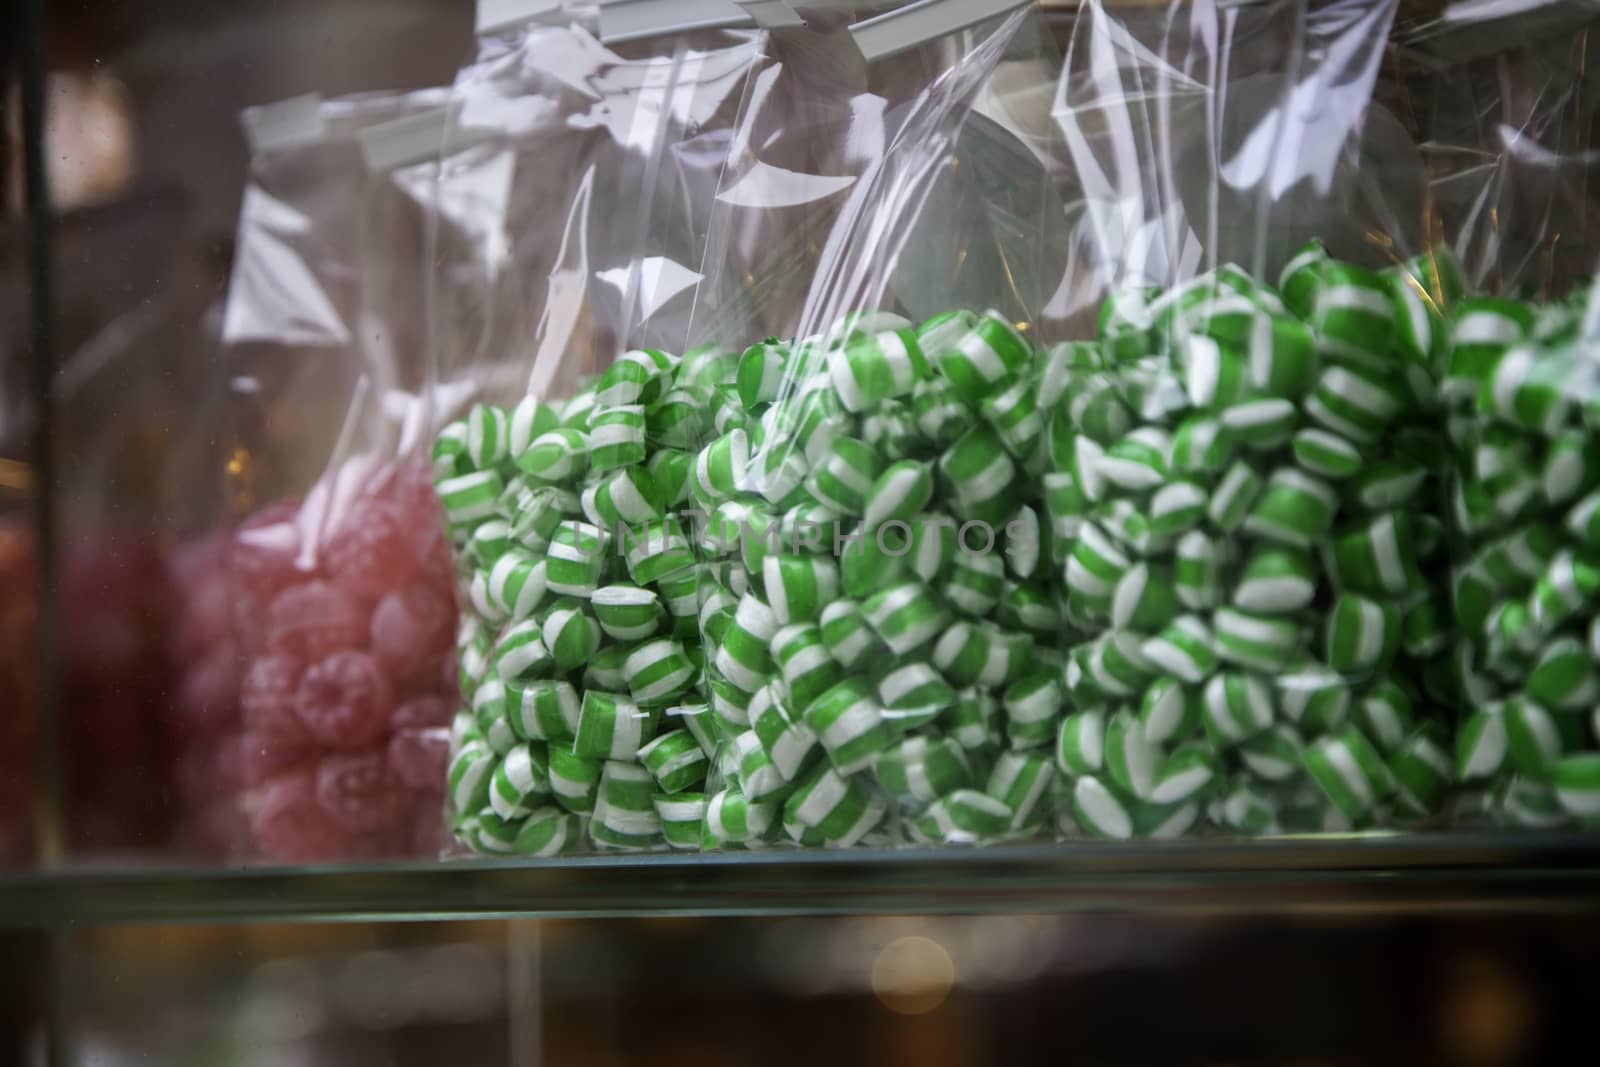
x=1336 y=873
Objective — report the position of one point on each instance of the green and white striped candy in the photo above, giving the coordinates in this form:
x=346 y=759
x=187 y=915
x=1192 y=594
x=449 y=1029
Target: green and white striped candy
x=1259 y=642
x=871 y=368
x=850 y=725
x=517 y=584
x=973 y=722
x=1197 y=571
x=1377 y=558
x=1294 y=509
x=628 y=495
x=578 y=407
x=1325 y=454
x=965 y=816
x=1276 y=581
x=844 y=476
x=1144 y=599
x=976 y=582
x=1577 y=782
x=1030 y=607
x=627 y=612
x=470 y=498
x=759 y=779
x=520 y=653
x=450 y=455
x=1215 y=375
x=1236 y=707
x=1360 y=634
x=1274 y=754
x=1349 y=771
x=1533 y=740
x=486 y=435
x=524 y=773
x=1234 y=496
x=574 y=780
x=576 y=559
x=837 y=807
x=1169 y=711
x=637 y=377
x=1564 y=676
x=612 y=726
x=759 y=377
x=607 y=669
x=1422 y=773
x=1565 y=588
x=1185 y=649
x=537 y=512
x=682 y=816
x=913 y=694
x=469 y=777
x=559 y=456
x=1031 y=705
x=971 y=653
x=1571 y=467
x=846 y=634
x=1353 y=315
x=545 y=710
x=743 y=657
x=1022 y=781
x=1016 y=418
x=940 y=414
x=1384 y=715
x=1080 y=744
x=979 y=476
x=1482 y=744
x=1261 y=425
x=1117 y=664
x=730 y=704
x=901 y=492
x=1535 y=388
x=719 y=469
x=799 y=587
x=803 y=662
x=488 y=541
x=905 y=616
x=933 y=547
x=1176 y=508
x=1096 y=564
x=1353 y=403
x=1099 y=810
x=1200 y=445
x=1138 y=462
x=546 y=831
x=789 y=742
x=617 y=437
x=570 y=633
x=675 y=759
x=1024 y=543
x=923 y=768
x=656 y=550
x=732 y=818
x=658 y=670
x=1389 y=483
x=977 y=354
x=1185 y=775
x=1131 y=760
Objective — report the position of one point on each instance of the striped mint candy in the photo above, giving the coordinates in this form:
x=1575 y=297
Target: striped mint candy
x=1138 y=461
x=1533 y=739
x=1536 y=388
x=1294 y=509
x=522 y=776
x=517 y=584
x=971 y=653
x=1355 y=404
x=1360 y=634
x=977 y=354
x=901 y=492
x=979 y=476
x=1301 y=276
x=1022 y=781
x=1176 y=508
x=905 y=616
x=760 y=374
x=1325 y=454
x=544 y=710
x=1030 y=607
x=450 y=455
x=1353 y=316
x=1214 y=375
x=841 y=809
x=965 y=816
x=1234 y=496
x=578 y=407
x=1015 y=415
x=844 y=476
x=871 y=368
x=1185 y=649
x=1577 y=782
x=627 y=612
x=520 y=653
x=719 y=470
x=1169 y=711
x=940 y=414
x=803 y=663
x=1563 y=675
x=677 y=420
x=1200 y=445
x=1117 y=664
x=531 y=418
x=850 y=725
x=733 y=818
x=976 y=583
x=933 y=547
x=1031 y=706
x=1131 y=760
x=538 y=511
x=1389 y=483
x=1276 y=581
x=1377 y=558
x=488 y=542
x=1185 y=775
x=655 y=550
x=789 y=742
x=759 y=780
x=743 y=657
x=848 y=637
x=559 y=456
x=486 y=435
x=612 y=727
x=629 y=495
x=676 y=760
x=1099 y=809
x=636 y=377
x=1571 y=467
x=1236 y=707
x=606 y=670
x=1275 y=754
x=1384 y=715
x=1261 y=425
x=546 y=831
x=570 y=633
x=470 y=498
x=1349 y=771
x=574 y=780
x=913 y=694
x=799 y=587
x=576 y=559
x=658 y=670
x=1197 y=570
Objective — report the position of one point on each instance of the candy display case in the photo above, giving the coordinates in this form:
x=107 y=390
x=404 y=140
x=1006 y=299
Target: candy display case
x=1269 y=363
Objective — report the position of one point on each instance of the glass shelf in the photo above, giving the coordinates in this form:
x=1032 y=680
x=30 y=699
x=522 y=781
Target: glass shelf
x=1342 y=873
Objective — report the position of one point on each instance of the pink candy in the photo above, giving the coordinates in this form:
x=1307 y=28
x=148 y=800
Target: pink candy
x=318 y=640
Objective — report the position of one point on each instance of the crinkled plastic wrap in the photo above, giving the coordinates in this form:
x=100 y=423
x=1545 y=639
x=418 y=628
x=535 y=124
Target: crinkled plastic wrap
x=316 y=638
x=572 y=216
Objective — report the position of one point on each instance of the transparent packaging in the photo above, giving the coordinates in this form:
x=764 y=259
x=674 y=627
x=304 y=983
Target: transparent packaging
x=317 y=614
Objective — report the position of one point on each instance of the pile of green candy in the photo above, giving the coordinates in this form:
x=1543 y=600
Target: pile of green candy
x=1523 y=389
x=931 y=584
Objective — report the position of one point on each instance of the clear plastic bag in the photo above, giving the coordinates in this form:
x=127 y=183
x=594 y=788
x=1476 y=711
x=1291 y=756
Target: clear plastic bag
x=318 y=616
x=1508 y=133
x=572 y=211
